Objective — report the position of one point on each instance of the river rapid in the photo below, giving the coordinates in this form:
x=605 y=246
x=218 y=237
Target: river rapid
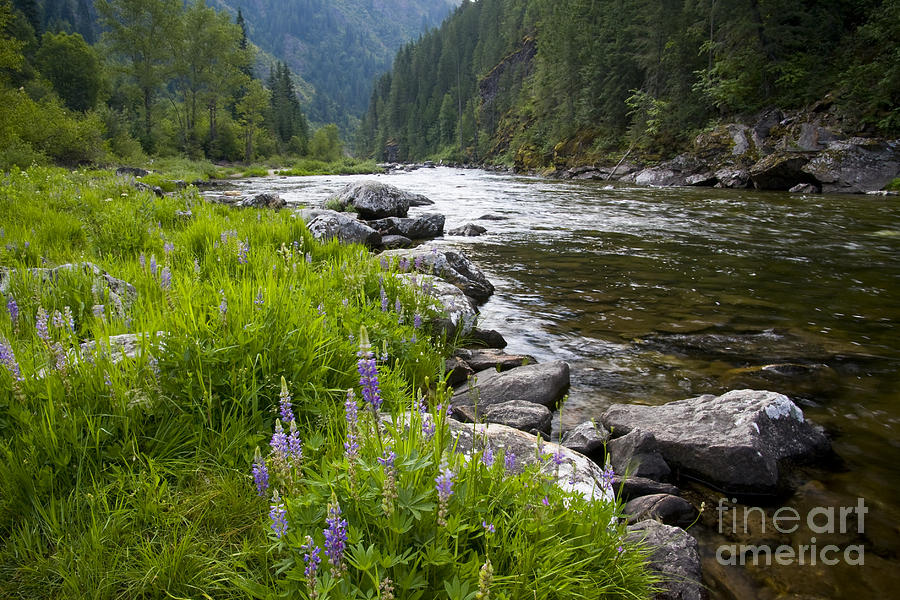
x=659 y=294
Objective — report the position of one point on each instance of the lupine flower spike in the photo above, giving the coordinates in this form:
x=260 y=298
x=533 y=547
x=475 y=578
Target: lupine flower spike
x=368 y=372
x=443 y=483
x=335 y=537
x=312 y=559
x=278 y=514
x=285 y=408
x=260 y=474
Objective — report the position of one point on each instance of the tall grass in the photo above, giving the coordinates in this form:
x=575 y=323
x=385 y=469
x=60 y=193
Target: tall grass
x=130 y=477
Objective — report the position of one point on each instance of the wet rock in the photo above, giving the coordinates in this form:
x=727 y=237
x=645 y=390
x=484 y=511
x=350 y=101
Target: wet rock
x=270 y=201
x=525 y=416
x=586 y=438
x=392 y=242
x=469 y=230
x=855 y=166
x=732 y=178
x=780 y=171
x=486 y=338
x=344 y=228
x=490 y=217
x=492 y=358
x=119 y=291
x=637 y=453
x=658 y=177
x=813 y=136
x=738 y=442
x=544 y=383
x=804 y=188
x=706 y=179
x=635 y=487
x=427 y=226
x=576 y=473
x=131 y=172
x=459 y=371
x=770 y=346
x=450 y=266
x=375 y=200
x=665 y=508
x=674 y=556
x=760 y=131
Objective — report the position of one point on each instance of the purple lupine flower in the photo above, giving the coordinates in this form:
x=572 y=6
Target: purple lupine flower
x=99 y=310
x=13 y=307
x=487 y=457
x=443 y=483
x=385 y=263
x=259 y=299
x=296 y=245
x=398 y=306
x=558 y=458
x=242 y=250
x=308 y=258
x=58 y=320
x=260 y=474
x=284 y=403
x=384 y=301
x=321 y=309
x=606 y=478
x=223 y=305
x=345 y=302
x=545 y=501
x=489 y=527
x=278 y=514
x=509 y=461
x=295 y=446
x=620 y=549
x=404 y=265
x=388 y=458
x=418 y=263
x=143 y=260
x=427 y=420
x=168 y=248
x=107 y=380
x=61 y=359
x=279 y=441
x=196 y=266
x=351 y=413
x=40 y=325
x=417 y=320
x=153 y=265
x=69 y=318
x=165 y=278
x=335 y=536
x=8 y=359
x=368 y=372
x=312 y=559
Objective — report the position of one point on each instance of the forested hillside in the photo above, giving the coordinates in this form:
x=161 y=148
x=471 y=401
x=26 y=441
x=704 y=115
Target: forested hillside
x=524 y=80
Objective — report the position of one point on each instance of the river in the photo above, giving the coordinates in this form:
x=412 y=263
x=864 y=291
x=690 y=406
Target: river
x=656 y=294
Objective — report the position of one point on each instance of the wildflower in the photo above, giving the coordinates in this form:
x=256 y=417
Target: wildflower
x=545 y=501
x=417 y=264
x=168 y=248
x=40 y=325
x=351 y=446
x=8 y=359
x=165 y=278
x=223 y=305
x=308 y=258
x=13 y=307
x=296 y=245
x=278 y=514
x=99 y=311
x=345 y=302
x=485 y=578
x=427 y=420
x=620 y=549
x=143 y=260
x=509 y=461
x=106 y=380
x=69 y=318
x=259 y=299
x=285 y=409
x=489 y=527
x=389 y=492
x=384 y=301
x=153 y=265
x=335 y=537
x=368 y=372
x=606 y=478
x=196 y=267
x=558 y=458
x=279 y=441
x=487 y=456
x=312 y=559
x=321 y=309
x=260 y=474
x=388 y=458
x=295 y=446
x=58 y=319
x=417 y=320
x=404 y=265
x=387 y=589
x=443 y=483
x=61 y=360
x=242 y=250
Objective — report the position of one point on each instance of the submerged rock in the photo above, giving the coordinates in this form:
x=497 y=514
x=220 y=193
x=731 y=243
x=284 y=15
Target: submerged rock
x=468 y=230
x=492 y=358
x=738 y=442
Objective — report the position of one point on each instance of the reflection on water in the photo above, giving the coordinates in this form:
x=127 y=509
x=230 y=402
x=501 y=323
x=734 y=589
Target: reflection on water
x=660 y=294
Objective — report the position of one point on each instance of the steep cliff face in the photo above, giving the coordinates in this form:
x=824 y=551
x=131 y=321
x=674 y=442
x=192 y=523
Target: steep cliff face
x=521 y=61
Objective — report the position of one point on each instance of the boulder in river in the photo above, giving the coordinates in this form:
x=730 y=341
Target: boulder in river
x=587 y=438
x=855 y=166
x=456 y=306
x=450 y=266
x=491 y=358
x=781 y=171
x=343 y=227
x=665 y=508
x=392 y=242
x=637 y=453
x=376 y=200
x=485 y=338
x=674 y=556
x=543 y=383
x=468 y=230
x=265 y=200
x=525 y=416
x=423 y=227
x=738 y=442
x=632 y=487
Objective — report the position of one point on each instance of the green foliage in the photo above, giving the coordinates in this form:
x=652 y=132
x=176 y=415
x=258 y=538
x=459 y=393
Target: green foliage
x=326 y=144
x=72 y=67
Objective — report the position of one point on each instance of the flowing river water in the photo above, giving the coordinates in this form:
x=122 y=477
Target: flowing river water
x=655 y=295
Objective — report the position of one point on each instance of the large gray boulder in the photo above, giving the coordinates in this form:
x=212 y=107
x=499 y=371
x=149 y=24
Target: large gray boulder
x=635 y=487
x=265 y=200
x=375 y=200
x=456 y=307
x=525 y=416
x=344 y=228
x=665 y=508
x=468 y=230
x=544 y=383
x=856 y=165
x=450 y=266
x=781 y=171
x=118 y=291
x=737 y=442
x=587 y=438
x=636 y=453
x=424 y=227
x=492 y=358
x=674 y=556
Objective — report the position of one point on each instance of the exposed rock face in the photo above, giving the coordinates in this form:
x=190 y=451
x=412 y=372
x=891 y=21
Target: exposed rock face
x=272 y=201
x=666 y=508
x=543 y=383
x=855 y=165
x=457 y=307
x=675 y=557
x=586 y=438
x=577 y=473
x=635 y=487
x=450 y=266
x=468 y=230
x=459 y=371
x=487 y=338
x=392 y=242
x=737 y=442
x=637 y=453
x=375 y=200
x=491 y=358
x=525 y=416
x=344 y=228
x=780 y=171
x=424 y=227
x=119 y=290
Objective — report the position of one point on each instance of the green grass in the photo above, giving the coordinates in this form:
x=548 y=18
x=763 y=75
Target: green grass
x=130 y=478
x=347 y=166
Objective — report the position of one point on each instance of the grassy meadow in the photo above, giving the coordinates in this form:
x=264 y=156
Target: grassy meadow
x=240 y=452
